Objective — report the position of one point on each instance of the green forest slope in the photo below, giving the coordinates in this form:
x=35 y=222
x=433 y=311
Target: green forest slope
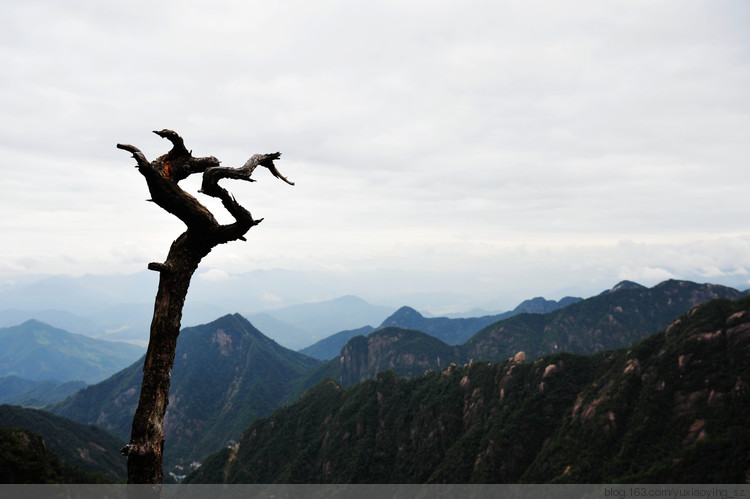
x=671 y=408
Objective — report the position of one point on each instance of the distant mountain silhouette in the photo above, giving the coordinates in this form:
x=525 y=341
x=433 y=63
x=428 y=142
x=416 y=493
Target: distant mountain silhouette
x=299 y=326
x=330 y=347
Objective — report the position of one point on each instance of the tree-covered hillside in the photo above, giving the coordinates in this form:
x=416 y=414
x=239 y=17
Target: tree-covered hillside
x=671 y=408
x=84 y=447
x=226 y=374
x=25 y=459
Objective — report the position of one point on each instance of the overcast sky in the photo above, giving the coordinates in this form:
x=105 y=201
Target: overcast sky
x=539 y=145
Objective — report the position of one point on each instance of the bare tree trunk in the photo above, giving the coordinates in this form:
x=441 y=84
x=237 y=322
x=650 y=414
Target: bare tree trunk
x=146 y=448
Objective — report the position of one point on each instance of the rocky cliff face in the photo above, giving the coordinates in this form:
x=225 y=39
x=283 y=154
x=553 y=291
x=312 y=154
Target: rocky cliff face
x=406 y=352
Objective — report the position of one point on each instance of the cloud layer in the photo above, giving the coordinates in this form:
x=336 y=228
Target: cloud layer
x=474 y=136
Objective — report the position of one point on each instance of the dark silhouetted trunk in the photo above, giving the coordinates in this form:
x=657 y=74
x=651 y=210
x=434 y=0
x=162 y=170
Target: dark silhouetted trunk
x=146 y=448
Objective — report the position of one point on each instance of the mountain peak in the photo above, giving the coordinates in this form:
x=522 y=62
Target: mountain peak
x=36 y=323
x=622 y=285
x=225 y=374
x=540 y=305
x=404 y=315
x=237 y=324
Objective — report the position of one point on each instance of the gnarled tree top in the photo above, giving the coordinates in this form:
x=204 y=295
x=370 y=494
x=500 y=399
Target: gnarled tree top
x=165 y=172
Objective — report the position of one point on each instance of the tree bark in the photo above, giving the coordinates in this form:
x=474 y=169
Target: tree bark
x=146 y=448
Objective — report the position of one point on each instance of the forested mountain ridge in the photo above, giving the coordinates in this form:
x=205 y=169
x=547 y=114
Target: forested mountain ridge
x=614 y=319
x=670 y=408
x=86 y=447
x=25 y=459
x=226 y=374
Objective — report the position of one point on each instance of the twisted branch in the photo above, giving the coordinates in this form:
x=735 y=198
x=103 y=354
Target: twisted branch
x=163 y=174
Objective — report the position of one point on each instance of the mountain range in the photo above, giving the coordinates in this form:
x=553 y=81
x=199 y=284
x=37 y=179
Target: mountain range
x=452 y=331
x=458 y=331
x=672 y=408
x=614 y=319
x=120 y=307
x=295 y=326
x=227 y=373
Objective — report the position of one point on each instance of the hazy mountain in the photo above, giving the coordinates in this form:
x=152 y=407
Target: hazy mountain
x=294 y=327
x=467 y=314
x=309 y=322
x=99 y=299
x=226 y=374
x=56 y=318
x=452 y=331
x=84 y=446
x=82 y=295
x=132 y=321
x=28 y=393
x=330 y=347
x=671 y=408
x=283 y=333
x=36 y=351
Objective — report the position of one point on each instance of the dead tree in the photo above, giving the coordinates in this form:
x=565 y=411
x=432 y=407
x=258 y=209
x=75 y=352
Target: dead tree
x=145 y=450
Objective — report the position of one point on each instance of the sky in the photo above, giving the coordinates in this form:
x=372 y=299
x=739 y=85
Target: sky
x=533 y=147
